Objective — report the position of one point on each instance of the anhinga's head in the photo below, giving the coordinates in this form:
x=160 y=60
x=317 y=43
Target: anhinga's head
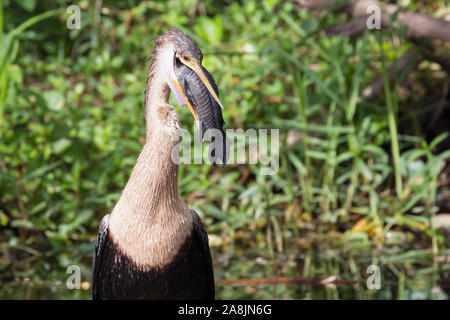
x=177 y=51
x=179 y=63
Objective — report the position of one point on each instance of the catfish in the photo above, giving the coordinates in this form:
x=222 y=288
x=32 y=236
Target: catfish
x=208 y=110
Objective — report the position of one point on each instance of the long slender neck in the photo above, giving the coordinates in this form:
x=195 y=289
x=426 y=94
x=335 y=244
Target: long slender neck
x=150 y=221
x=154 y=180
x=153 y=184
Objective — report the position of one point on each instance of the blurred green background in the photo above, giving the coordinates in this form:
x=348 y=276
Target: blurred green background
x=361 y=181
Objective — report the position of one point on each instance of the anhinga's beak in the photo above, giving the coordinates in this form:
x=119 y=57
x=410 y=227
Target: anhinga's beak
x=175 y=81
x=196 y=88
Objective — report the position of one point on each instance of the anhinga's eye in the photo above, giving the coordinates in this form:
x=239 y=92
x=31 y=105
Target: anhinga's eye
x=186 y=57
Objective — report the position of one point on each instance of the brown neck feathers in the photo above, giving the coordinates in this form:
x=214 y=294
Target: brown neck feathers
x=150 y=221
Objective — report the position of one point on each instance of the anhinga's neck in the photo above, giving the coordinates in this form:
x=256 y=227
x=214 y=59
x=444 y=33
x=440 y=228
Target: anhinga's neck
x=154 y=180
x=150 y=221
x=153 y=184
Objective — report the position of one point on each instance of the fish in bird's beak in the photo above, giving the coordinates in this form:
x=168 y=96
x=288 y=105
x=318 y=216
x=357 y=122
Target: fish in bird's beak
x=197 y=89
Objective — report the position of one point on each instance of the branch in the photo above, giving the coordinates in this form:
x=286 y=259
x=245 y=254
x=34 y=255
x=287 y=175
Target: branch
x=351 y=28
x=313 y=4
x=419 y=25
x=285 y=280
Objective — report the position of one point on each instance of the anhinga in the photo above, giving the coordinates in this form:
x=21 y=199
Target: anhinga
x=152 y=246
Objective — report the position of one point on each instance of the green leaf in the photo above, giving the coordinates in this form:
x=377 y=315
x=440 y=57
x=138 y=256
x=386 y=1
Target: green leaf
x=61 y=145
x=54 y=100
x=20 y=223
x=438 y=140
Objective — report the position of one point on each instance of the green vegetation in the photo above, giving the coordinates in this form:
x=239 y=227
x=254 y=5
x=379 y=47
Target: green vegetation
x=360 y=181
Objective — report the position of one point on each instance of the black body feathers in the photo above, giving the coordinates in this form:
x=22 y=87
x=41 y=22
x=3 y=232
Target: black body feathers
x=188 y=276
